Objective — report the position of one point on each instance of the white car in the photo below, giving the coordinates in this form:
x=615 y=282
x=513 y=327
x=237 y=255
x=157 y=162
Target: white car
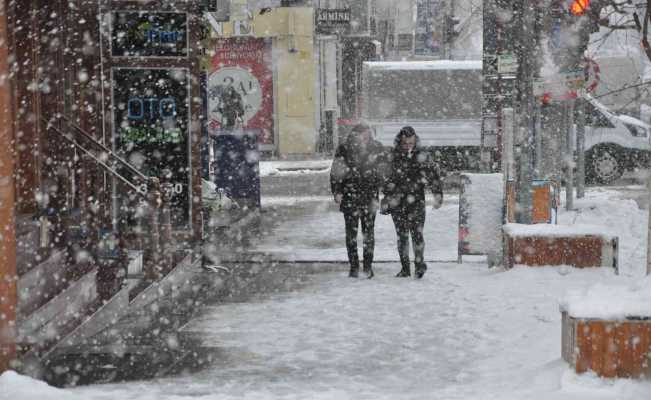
x=614 y=143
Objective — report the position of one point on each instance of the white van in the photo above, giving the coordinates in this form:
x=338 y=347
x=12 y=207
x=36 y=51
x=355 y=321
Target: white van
x=614 y=143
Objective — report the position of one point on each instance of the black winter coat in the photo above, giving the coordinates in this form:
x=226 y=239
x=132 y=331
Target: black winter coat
x=356 y=175
x=408 y=178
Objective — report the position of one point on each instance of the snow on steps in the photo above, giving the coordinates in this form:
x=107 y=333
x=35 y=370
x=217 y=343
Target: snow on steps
x=41 y=283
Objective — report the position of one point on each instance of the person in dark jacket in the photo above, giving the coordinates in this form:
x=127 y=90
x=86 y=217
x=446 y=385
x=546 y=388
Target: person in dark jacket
x=412 y=171
x=355 y=182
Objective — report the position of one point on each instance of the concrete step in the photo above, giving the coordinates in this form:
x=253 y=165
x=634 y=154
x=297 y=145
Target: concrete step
x=41 y=283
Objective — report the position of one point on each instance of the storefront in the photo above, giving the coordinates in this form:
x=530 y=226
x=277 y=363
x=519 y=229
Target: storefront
x=149 y=55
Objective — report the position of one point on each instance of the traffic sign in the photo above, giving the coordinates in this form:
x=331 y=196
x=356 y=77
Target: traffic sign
x=507 y=64
x=574 y=79
x=592 y=74
x=561 y=86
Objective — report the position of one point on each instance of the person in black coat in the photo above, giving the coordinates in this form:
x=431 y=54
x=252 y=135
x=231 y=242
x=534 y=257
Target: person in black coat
x=355 y=181
x=412 y=171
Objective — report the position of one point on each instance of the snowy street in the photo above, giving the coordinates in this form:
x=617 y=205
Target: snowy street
x=181 y=181
x=462 y=332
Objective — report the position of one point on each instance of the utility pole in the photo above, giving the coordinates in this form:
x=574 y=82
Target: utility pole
x=8 y=277
x=569 y=155
x=499 y=87
x=527 y=32
x=580 y=147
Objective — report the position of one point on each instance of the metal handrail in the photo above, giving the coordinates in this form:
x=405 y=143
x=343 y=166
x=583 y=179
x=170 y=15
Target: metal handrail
x=99 y=144
x=159 y=232
x=107 y=167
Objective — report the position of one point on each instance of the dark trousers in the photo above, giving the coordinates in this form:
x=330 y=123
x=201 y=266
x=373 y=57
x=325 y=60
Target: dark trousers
x=410 y=221
x=352 y=219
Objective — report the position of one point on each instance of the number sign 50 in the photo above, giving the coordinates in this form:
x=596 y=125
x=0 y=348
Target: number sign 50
x=177 y=188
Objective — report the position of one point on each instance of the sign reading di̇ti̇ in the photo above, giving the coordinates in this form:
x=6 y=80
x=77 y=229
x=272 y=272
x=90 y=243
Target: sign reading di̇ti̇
x=151 y=124
x=241 y=72
x=149 y=34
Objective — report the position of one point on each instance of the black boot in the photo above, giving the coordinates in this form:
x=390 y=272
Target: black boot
x=404 y=272
x=420 y=270
x=368 y=270
x=354 y=272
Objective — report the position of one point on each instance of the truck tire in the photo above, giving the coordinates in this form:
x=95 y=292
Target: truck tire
x=603 y=164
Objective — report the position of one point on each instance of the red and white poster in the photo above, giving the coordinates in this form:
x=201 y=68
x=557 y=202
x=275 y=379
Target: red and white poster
x=240 y=88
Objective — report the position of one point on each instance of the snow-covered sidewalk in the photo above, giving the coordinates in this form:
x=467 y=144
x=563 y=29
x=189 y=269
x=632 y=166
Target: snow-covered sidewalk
x=294 y=167
x=462 y=332
x=319 y=234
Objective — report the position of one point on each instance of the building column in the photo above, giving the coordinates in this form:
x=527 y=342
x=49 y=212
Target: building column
x=8 y=278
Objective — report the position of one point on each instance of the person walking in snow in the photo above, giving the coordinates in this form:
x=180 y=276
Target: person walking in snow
x=355 y=181
x=412 y=170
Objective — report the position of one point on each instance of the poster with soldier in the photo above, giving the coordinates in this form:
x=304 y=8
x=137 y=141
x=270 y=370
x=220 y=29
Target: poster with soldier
x=240 y=89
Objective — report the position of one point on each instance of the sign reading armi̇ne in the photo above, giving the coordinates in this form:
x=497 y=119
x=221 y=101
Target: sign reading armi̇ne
x=332 y=18
x=149 y=34
x=151 y=123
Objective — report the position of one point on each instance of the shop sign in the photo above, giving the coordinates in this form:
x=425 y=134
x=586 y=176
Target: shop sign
x=149 y=34
x=242 y=28
x=332 y=18
x=507 y=64
x=151 y=125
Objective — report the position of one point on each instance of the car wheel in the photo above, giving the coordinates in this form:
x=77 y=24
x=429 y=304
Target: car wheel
x=603 y=165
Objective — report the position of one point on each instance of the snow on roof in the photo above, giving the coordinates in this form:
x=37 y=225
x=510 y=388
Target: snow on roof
x=424 y=65
x=610 y=301
x=631 y=120
x=547 y=230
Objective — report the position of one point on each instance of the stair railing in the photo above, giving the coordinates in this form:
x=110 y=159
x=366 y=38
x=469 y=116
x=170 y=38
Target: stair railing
x=156 y=218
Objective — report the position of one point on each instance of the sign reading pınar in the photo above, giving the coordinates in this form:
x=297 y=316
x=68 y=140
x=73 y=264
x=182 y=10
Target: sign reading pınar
x=151 y=124
x=149 y=34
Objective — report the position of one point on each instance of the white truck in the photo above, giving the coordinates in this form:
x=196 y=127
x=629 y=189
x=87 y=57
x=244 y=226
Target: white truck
x=442 y=100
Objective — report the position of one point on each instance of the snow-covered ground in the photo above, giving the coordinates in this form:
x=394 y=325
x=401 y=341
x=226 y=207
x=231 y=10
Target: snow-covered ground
x=319 y=233
x=268 y=168
x=462 y=332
